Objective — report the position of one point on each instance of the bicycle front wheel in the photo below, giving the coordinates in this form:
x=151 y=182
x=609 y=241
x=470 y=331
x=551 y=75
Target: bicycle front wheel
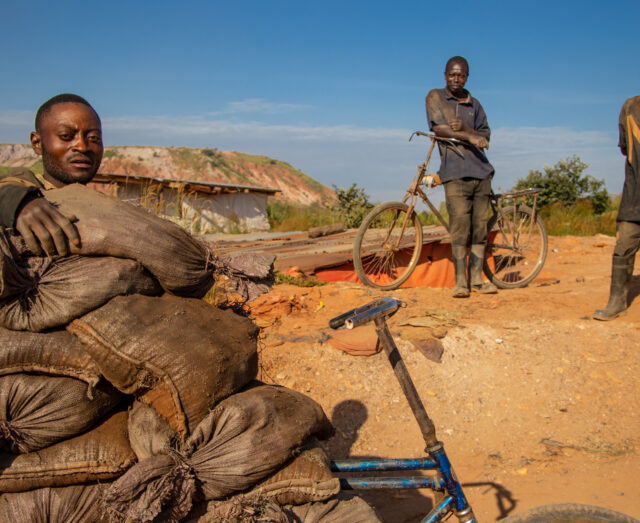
x=570 y=513
x=517 y=247
x=387 y=246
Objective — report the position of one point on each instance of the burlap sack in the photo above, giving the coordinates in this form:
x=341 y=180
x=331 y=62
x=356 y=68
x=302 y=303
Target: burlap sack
x=244 y=439
x=38 y=411
x=179 y=355
x=76 y=504
x=306 y=478
x=38 y=293
x=102 y=453
x=344 y=508
x=55 y=353
x=111 y=227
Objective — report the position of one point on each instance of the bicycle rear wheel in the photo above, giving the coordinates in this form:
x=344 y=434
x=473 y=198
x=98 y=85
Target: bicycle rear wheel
x=517 y=247
x=569 y=513
x=387 y=246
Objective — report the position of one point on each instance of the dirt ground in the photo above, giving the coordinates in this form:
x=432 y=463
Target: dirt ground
x=536 y=402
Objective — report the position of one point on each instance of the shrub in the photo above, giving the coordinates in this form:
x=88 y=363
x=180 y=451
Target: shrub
x=353 y=205
x=565 y=184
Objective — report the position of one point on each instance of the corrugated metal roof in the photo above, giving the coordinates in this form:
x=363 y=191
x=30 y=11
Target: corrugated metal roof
x=196 y=185
x=297 y=249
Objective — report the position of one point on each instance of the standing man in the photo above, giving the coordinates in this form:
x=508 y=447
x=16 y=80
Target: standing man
x=465 y=172
x=68 y=136
x=628 y=220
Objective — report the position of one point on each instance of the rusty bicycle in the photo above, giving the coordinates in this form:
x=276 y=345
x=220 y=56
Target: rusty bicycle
x=389 y=241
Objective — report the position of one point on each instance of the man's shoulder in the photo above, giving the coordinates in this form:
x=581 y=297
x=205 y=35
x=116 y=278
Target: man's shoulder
x=631 y=106
x=436 y=93
x=20 y=176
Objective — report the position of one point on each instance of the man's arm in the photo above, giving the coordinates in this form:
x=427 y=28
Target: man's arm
x=23 y=208
x=447 y=126
x=463 y=132
x=44 y=228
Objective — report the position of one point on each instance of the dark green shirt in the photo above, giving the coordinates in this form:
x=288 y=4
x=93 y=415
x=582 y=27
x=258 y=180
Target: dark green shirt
x=15 y=189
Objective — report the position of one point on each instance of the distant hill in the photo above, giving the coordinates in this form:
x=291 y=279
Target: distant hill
x=194 y=164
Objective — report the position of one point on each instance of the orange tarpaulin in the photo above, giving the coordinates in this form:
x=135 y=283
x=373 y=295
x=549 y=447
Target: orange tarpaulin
x=435 y=269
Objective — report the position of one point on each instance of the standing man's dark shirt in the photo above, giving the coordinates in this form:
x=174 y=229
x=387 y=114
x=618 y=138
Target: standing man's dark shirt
x=629 y=143
x=460 y=161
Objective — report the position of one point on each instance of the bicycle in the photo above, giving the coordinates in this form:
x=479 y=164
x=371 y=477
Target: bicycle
x=389 y=241
x=454 y=501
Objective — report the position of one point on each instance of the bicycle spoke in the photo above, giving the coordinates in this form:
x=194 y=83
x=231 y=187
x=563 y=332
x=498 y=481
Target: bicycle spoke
x=387 y=246
x=518 y=247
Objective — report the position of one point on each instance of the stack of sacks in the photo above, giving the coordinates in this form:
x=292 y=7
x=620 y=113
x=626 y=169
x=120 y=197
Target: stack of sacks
x=200 y=431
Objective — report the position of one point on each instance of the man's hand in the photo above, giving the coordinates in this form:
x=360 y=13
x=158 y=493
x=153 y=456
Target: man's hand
x=479 y=141
x=456 y=125
x=43 y=227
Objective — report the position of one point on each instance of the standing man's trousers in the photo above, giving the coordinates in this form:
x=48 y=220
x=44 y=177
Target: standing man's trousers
x=468 y=208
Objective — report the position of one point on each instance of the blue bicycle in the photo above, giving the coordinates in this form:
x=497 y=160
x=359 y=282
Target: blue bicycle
x=454 y=501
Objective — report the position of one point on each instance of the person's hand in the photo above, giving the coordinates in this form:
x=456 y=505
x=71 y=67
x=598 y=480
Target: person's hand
x=456 y=125
x=479 y=141
x=43 y=227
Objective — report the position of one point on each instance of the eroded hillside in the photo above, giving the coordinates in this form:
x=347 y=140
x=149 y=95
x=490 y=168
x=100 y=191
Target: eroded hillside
x=194 y=164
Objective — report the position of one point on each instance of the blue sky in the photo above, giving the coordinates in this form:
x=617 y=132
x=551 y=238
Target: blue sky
x=334 y=88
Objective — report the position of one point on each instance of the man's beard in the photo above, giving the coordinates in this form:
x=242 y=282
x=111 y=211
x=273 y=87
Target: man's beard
x=55 y=170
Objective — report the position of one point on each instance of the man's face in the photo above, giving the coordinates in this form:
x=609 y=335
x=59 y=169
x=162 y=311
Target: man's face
x=456 y=77
x=70 y=142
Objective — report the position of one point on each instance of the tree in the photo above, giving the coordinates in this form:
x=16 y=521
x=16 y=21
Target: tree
x=565 y=183
x=353 y=205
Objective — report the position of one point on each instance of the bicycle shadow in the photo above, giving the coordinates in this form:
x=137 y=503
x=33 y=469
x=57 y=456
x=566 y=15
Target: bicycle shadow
x=392 y=505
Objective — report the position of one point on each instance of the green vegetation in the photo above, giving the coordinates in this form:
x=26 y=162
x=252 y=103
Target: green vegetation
x=572 y=203
x=352 y=207
x=565 y=184
x=281 y=277
x=284 y=217
x=579 y=219
x=211 y=153
x=110 y=153
x=428 y=218
x=265 y=160
x=188 y=159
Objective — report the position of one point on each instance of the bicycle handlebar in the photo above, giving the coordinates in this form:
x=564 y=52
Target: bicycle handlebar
x=382 y=307
x=435 y=137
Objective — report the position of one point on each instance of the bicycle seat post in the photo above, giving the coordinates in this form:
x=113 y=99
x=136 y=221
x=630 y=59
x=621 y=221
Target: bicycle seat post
x=406 y=383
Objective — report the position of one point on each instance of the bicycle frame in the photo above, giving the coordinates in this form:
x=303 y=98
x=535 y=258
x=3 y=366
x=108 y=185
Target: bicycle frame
x=411 y=196
x=516 y=196
x=455 y=501
x=415 y=189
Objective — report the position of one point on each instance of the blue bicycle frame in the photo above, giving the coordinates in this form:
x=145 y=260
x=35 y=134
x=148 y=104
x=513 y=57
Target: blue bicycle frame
x=445 y=480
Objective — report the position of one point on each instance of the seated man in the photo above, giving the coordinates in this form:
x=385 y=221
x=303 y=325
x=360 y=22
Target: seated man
x=465 y=172
x=68 y=136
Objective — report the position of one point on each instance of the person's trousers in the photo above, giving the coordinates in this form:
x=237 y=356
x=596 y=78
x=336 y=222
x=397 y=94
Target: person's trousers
x=627 y=239
x=468 y=208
